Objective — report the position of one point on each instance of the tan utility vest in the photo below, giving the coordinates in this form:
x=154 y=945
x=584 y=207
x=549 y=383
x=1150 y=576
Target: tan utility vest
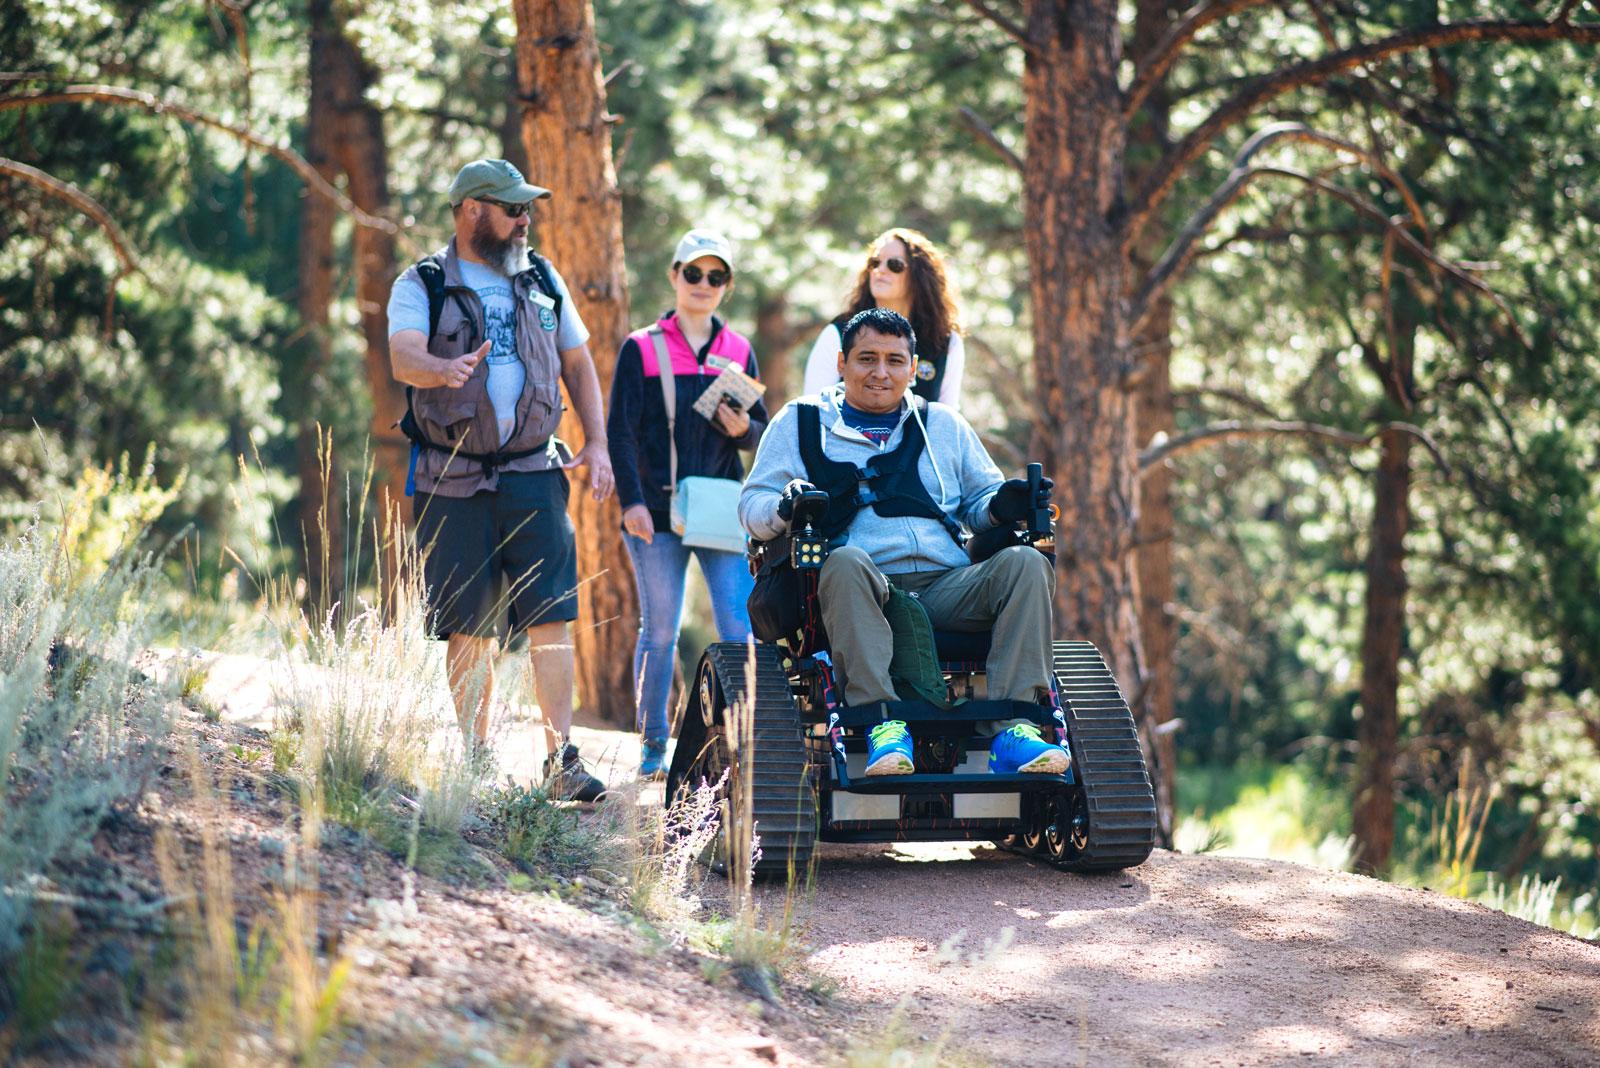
x=465 y=418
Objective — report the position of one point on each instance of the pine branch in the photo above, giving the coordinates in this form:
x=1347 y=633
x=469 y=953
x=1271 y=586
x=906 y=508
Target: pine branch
x=1372 y=211
x=1180 y=253
x=1164 y=177
x=1184 y=397
x=987 y=135
x=84 y=203
x=113 y=94
x=1162 y=448
x=90 y=207
x=1154 y=65
x=1013 y=28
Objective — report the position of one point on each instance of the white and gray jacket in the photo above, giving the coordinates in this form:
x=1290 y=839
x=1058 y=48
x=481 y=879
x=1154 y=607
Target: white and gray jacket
x=955 y=468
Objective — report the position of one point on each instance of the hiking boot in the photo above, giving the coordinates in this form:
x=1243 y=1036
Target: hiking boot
x=889 y=749
x=569 y=779
x=1022 y=748
x=653 y=759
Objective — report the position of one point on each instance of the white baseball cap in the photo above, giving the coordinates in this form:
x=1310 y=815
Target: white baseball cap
x=697 y=243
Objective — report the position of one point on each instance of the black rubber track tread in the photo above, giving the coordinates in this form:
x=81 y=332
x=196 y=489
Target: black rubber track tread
x=1107 y=761
x=784 y=798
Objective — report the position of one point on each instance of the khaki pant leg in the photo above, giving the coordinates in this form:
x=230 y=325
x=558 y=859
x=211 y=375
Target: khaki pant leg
x=1010 y=593
x=853 y=591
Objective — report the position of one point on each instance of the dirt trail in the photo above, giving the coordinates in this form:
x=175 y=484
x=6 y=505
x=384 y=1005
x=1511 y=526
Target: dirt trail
x=1186 y=960
x=1197 y=960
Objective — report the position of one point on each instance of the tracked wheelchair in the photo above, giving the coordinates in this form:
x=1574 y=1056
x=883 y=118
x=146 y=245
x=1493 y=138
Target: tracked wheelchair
x=769 y=716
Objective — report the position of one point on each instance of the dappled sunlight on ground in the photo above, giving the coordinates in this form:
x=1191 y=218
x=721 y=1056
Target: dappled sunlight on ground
x=1199 y=960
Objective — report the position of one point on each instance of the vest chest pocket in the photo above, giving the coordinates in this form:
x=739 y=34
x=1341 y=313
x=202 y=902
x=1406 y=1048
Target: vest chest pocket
x=446 y=414
x=447 y=345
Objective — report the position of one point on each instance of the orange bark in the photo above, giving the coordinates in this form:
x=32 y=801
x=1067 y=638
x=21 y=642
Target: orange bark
x=567 y=133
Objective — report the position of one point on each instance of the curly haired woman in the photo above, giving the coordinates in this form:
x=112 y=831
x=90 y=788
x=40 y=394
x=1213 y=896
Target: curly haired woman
x=905 y=273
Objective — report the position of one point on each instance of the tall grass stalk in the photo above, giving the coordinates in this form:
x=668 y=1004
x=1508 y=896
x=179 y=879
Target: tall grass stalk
x=1541 y=902
x=1457 y=835
x=661 y=849
x=895 y=1046
x=272 y=983
x=761 y=948
x=364 y=686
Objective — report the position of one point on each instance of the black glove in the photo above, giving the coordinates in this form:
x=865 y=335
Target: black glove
x=791 y=493
x=1010 y=503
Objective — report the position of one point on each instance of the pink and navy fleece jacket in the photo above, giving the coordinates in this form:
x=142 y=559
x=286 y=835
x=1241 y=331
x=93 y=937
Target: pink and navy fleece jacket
x=636 y=426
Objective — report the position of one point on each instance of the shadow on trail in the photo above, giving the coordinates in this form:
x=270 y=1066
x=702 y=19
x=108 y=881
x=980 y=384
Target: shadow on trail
x=1197 y=960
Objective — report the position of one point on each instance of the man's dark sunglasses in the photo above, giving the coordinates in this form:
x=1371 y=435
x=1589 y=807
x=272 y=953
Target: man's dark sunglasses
x=716 y=278
x=895 y=264
x=513 y=211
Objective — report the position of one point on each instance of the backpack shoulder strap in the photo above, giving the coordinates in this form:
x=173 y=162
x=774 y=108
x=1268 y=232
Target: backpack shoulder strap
x=543 y=281
x=431 y=271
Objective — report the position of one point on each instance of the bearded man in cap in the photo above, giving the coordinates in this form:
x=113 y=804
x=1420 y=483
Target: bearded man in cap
x=483 y=333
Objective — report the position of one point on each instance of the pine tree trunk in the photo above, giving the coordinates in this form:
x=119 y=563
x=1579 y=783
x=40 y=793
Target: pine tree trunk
x=321 y=528
x=1157 y=592
x=566 y=132
x=364 y=157
x=1382 y=640
x=1152 y=353
x=774 y=343
x=1085 y=415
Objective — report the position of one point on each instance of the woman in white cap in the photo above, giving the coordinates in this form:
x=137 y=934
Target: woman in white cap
x=905 y=273
x=654 y=448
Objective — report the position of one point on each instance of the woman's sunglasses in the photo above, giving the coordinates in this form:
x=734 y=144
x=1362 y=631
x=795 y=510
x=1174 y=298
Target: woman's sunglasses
x=513 y=211
x=895 y=264
x=716 y=278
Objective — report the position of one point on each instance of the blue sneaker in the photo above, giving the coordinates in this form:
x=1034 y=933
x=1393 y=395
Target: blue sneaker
x=1021 y=748
x=653 y=761
x=889 y=749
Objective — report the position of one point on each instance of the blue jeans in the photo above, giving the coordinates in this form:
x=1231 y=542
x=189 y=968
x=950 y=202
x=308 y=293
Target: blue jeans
x=659 y=569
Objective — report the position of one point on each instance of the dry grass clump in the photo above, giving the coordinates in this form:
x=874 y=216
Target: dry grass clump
x=79 y=723
x=364 y=715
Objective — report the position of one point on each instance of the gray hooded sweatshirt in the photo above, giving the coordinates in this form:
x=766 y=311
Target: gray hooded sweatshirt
x=955 y=468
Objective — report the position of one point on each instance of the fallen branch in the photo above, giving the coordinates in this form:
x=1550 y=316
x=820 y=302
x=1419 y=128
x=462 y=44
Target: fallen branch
x=112 y=94
x=1163 y=448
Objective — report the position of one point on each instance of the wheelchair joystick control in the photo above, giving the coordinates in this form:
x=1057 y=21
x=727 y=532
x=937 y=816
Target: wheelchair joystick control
x=1038 y=515
x=807 y=547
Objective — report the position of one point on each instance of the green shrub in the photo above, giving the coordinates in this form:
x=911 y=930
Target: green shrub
x=535 y=832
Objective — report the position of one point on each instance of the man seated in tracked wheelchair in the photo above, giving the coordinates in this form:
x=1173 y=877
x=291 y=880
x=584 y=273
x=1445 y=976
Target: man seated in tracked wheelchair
x=894 y=484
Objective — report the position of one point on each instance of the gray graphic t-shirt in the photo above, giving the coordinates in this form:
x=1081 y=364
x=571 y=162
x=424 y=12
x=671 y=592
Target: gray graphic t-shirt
x=408 y=310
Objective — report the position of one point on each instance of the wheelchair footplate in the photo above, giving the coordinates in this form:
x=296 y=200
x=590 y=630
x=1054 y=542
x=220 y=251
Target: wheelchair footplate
x=952 y=794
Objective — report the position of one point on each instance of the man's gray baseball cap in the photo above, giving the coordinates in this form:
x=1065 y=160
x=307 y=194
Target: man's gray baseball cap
x=493 y=179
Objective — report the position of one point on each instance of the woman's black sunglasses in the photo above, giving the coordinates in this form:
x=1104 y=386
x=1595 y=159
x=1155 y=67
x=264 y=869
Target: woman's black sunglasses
x=716 y=278
x=513 y=211
x=895 y=264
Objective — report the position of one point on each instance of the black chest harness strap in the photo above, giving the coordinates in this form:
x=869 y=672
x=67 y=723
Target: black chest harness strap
x=889 y=483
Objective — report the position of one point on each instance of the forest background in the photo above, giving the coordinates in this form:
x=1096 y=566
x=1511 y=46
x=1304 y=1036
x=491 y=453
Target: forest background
x=1316 y=376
